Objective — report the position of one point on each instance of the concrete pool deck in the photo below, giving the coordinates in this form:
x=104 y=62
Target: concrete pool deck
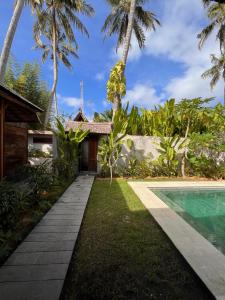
x=202 y=256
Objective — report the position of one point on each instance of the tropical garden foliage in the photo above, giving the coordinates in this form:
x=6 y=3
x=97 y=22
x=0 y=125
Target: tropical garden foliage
x=27 y=81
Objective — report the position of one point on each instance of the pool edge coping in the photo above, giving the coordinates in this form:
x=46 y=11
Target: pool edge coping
x=206 y=261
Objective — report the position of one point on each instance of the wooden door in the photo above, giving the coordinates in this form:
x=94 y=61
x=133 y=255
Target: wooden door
x=93 y=151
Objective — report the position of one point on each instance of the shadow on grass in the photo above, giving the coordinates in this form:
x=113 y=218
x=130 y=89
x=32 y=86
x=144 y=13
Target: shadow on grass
x=122 y=253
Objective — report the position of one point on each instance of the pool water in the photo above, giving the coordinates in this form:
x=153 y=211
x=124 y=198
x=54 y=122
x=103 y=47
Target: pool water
x=203 y=209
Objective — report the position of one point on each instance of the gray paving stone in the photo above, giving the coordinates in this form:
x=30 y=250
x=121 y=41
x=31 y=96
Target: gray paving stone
x=65 y=212
x=56 y=222
x=61 y=217
x=45 y=246
x=57 y=228
x=54 y=236
x=37 y=269
x=33 y=272
x=39 y=258
x=33 y=290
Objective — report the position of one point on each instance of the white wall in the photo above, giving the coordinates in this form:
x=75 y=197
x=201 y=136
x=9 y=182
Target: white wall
x=47 y=148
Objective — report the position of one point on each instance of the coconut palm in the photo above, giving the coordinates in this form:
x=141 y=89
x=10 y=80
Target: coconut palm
x=216 y=13
x=55 y=22
x=117 y=21
x=11 y=32
x=216 y=71
x=126 y=16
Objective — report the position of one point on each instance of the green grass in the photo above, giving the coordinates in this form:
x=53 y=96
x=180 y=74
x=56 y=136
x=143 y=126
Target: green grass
x=122 y=253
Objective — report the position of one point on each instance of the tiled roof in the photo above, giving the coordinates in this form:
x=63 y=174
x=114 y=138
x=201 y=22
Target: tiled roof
x=93 y=127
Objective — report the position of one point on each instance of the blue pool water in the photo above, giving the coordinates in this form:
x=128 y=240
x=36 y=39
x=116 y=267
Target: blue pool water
x=203 y=209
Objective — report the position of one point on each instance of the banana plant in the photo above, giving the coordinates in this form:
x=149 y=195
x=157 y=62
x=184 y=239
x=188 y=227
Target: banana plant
x=110 y=148
x=169 y=149
x=67 y=142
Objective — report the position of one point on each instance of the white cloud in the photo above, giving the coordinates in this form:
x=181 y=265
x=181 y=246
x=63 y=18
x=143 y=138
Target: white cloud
x=70 y=101
x=177 y=41
x=142 y=95
x=134 y=52
x=100 y=76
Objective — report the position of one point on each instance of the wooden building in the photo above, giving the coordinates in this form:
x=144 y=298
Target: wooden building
x=89 y=147
x=15 y=114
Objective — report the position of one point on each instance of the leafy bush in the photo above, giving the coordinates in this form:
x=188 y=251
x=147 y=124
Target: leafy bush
x=10 y=203
x=39 y=178
x=38 y=153
x=136 y=168
x=65 y=169
x=207 y=155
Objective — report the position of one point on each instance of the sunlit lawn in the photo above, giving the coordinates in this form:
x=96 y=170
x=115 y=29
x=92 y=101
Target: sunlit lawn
x=123 y=254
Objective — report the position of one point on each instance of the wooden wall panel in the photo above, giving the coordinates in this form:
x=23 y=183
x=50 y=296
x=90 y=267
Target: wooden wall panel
x=1 y=137
x=15 y=148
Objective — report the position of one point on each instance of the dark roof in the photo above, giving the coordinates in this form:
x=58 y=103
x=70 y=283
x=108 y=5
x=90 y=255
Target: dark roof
x=80 y=117
x=18 y=108
x=21 y=99
x=93 y=127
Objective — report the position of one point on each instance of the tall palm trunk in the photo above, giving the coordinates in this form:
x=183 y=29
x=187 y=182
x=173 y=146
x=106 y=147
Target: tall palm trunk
x=117 y=102
x=9 y=37
x=129 y=31
x=55 y=70
x=184 y=155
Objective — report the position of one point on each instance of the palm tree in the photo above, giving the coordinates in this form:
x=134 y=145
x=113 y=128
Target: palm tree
x=118 y=19
x=126 y=16
x=216 y=71
x=216 y=13
x=55 y=22
x=11 y=33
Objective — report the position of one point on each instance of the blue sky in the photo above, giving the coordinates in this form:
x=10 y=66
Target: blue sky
x=170 y=66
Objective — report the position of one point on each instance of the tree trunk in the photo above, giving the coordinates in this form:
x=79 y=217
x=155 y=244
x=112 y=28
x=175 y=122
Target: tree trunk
x=55 y=70
x=9 y=38
x=116 y=105
x=129 y=31
x=184 y=156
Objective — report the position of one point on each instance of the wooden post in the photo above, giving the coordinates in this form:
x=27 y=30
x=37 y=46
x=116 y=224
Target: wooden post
x=2 y=115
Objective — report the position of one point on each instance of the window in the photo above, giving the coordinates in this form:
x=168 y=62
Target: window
x=42 y=139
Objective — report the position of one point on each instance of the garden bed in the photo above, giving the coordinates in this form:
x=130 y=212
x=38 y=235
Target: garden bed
x=122 y=253
x=28 y=218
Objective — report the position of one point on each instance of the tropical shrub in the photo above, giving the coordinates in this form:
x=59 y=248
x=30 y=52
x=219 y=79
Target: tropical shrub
x=67 y=147
x=10 y=202
x=109 y=150
x=168 y=161
x=136 y=168
x=207 y=155
x=39 y=154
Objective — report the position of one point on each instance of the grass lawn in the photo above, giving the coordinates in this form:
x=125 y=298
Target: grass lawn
x=28 y=219
x=122 y=253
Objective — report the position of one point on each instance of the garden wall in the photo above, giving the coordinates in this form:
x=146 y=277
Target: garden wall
x=143 y=147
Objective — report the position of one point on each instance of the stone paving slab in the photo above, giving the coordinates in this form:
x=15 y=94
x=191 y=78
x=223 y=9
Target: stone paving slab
x=51 y=236
x=37 y=268
x=35 y=290
x=39 y=258
x=51 y=228
x=45 y=247
x=33 y=272
x=57 y=222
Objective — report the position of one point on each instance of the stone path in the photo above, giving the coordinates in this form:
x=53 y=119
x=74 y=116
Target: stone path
x=38 y=267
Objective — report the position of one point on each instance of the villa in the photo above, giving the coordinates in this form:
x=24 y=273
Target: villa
x=15 y=115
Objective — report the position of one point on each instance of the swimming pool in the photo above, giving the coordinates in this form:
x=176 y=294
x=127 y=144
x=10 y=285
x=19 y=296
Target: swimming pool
x=202 y=208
